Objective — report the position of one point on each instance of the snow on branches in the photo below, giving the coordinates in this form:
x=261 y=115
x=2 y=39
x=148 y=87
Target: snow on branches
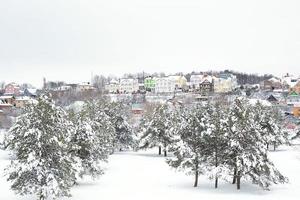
x=40 y=140
x=228 y=141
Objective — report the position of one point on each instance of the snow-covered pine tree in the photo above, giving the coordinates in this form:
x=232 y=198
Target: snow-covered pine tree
x=101 y=124
x=159 y=130
x=249 y=154
x=91 y=149
x=40 y=140
x=119 y=115
x=189 y=146
x=217 y=139
x=279 y=135
x=271 y=123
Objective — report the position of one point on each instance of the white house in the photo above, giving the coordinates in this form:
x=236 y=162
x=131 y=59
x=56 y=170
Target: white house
x=195 y=81
x=165 y=85
x=289 y=81
x=129 y=85
x=84 y=87
x=113 y=86
x=180 y=81
x=225 y=83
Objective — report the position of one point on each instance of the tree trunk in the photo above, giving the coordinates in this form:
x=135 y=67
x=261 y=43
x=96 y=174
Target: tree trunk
x=234 y=176
x=238 y=180
x=267 y=146
x=165 y=150
x=159 y=150
x=216 y=165
x=196 y=173
x=41 y=196
x=274 y=146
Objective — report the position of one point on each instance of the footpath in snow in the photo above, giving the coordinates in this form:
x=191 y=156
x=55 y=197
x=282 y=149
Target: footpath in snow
x=145 y=175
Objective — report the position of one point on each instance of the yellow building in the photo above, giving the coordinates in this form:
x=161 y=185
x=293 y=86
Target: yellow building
x=296 y=110
x=180 y=81
x=296 y=88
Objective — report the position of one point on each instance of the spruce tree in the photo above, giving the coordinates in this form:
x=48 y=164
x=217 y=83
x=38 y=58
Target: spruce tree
x=159 y=130
x=249 y=153
x=91 y=150
x=119 y=117
x=216 y=137
x=40 y=141
x=189 y=146
x=271 y=125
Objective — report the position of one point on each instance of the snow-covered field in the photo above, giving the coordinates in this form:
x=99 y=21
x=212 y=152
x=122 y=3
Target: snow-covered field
x=145 y=175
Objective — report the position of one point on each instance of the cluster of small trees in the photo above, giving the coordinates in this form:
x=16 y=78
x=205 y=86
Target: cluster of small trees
x=52 y=148
x=227 y=142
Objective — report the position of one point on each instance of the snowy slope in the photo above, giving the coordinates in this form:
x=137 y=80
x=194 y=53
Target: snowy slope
x=144 y=175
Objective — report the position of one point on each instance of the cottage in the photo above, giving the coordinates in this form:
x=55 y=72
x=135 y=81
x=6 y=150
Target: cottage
x=296 y=87
x=296 y=110
x=4 y=106
x=271 y=98
x=195 y=81
x=129 y=85
x=207 y=85
x=149 y=84
x=293 y=98
x=271 y=84
x=180 y=81
x=165 y=85
x=30 y=92
x=12 y=89
x=225 y=83
x=8 y=99
x=21 y=102
x=84 y=87
x=113 y=86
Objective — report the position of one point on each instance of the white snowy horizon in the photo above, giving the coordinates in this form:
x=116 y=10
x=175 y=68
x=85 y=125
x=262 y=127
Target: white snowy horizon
x=69 y=40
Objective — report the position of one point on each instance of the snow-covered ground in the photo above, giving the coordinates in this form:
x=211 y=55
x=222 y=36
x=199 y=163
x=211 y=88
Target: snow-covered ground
x=145 y=175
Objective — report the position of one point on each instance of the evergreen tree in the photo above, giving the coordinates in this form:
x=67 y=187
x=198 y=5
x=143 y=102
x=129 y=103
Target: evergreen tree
x=119 y=115
x=216 y=138
x=249 y=154
x=40 y=140
x=159 y=130
x=271 y=125
x=189 y=147
x=91 y=149
x=94 y=134
x=101 y=124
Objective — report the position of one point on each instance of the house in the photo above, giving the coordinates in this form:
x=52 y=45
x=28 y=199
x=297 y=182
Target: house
x=8 y=100
x=12 y=89
x=289 y=82
x=195 y=81
x=296 y=87
x=30 y=92
x=272 y=99
x=149 y=83
x=129 y=85
x=21 y=102
x=207 y=85
x=113 y=86
x=296 y=110
x=271 y=84
x=137 y=108
x=180 y=81
x=4 y=106
x=165 y=85
x=84 y=87
x=225 y=83
x=293 y=98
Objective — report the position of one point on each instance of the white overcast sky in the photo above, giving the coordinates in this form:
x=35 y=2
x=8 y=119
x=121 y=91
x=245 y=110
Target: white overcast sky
x=69 y=39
